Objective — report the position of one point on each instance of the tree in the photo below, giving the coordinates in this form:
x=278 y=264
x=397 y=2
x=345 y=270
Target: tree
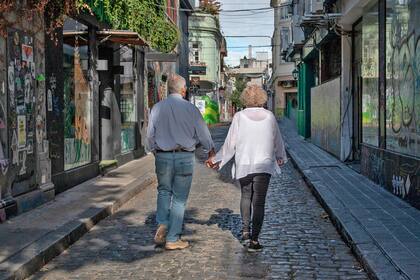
x=235 y=98
x=210 y=6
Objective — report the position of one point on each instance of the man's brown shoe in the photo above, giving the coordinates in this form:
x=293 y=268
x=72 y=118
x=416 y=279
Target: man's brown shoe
x=178 y=245
x=160 y=236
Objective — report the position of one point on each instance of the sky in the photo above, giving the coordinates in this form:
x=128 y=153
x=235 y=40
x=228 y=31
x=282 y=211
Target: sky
x=246 y=23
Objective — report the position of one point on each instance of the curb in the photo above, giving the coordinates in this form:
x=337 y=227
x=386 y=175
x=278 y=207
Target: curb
x=352 y=232
x=36 y=255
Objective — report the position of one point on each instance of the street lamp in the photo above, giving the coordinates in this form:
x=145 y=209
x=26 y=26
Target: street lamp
x=295 y=74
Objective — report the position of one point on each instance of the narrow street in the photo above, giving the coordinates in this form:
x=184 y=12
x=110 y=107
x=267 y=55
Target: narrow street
x=300 y=241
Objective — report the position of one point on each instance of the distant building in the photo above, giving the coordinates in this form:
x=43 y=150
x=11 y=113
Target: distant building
x=282 y=84
x=207 y=51
x=254 y=71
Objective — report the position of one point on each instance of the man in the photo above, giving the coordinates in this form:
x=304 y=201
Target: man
x=175 y=128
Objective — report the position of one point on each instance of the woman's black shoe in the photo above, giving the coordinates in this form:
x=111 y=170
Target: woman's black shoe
x=255 y=246
x=245 y=238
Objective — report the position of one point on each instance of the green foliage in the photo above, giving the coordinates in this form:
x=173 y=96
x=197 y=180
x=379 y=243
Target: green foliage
x=146 y=17
x=235 y=98
x=210 y=6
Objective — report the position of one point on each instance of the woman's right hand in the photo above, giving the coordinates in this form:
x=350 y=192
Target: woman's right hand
x=211 y=164
x=280 y=162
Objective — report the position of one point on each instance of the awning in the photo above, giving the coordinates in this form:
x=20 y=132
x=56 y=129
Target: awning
x=115 y=36
x=161 y=57
x=121 y=37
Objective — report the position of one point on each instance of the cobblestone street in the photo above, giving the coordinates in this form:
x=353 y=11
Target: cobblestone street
x=300 y=241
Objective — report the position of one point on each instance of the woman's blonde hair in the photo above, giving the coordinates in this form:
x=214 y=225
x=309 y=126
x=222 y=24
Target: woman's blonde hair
x=254 y=96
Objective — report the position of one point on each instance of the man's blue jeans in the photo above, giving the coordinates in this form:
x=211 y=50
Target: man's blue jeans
x=174 y=172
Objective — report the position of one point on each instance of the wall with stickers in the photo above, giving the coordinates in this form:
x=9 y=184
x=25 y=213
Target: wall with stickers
x=24 y=163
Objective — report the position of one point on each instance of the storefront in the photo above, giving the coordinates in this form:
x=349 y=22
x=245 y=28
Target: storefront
x=94 y=99
x=386 y=85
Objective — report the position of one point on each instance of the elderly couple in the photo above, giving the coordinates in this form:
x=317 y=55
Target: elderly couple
x=176 y=127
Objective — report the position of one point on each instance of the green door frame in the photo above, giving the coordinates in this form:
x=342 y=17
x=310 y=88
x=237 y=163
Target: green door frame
x=305 y=83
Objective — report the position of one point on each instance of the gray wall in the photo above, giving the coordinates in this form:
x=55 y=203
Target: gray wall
x=325 y=116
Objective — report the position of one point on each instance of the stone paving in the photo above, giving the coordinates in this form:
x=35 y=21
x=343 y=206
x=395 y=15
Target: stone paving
x=300 y=241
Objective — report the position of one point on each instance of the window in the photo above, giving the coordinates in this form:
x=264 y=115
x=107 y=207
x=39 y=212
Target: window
x=284 y=38
x=77 y=95
x=195 y=51
x=127 y=101
x=284 y=12
x=402 y=80
x=369 y=48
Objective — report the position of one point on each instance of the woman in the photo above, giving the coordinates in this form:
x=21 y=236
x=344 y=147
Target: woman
x=254 y=139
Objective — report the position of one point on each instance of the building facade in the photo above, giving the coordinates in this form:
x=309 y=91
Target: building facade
x=207 y=50
x=72 y=104
x=25 y=177
x=282 y=84
x=359 y=85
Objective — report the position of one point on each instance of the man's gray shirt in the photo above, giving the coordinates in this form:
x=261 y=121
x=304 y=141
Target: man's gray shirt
x=176 y=123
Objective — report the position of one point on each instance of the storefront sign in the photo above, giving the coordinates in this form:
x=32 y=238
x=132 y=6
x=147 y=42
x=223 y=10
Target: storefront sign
x=198 y=70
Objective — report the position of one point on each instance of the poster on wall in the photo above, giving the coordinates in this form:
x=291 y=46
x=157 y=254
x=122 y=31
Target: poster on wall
x=21 y=120
x=27 y=54
x=21 y=101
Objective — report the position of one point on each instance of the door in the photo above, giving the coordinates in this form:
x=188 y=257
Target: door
x=357 y=88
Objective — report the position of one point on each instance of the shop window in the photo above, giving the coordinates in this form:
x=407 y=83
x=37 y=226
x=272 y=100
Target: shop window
x=403 y=76
x=370 y=76
x=77 y=95
x=127 y=101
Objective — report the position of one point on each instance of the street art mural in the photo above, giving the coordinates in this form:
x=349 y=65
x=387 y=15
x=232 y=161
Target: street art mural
x=211 y=113
x=396 y=173
x=403 y=77
x=77 y=104
x=22 y=105
x=4 y=161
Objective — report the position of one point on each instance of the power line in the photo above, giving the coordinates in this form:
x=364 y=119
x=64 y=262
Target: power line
x=222 y=11
x=244 y=15
x=247 y=36
x=244 y=47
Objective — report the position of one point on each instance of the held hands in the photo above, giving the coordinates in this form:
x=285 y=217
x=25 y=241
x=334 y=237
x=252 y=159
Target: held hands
x=210 y=161
x=280 y=162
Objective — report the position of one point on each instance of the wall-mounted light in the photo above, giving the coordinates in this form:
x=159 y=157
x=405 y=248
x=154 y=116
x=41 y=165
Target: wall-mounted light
x=295 y=74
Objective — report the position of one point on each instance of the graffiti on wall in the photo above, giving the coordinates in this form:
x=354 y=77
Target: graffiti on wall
x=21 y=100
x=4 y=162
x=396 y=173
x=403 y=79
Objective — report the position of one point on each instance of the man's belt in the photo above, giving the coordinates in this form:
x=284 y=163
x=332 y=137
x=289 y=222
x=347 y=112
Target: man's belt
x=178 y=150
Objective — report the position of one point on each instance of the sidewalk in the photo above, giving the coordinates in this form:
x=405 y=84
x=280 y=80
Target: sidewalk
x=382 y=230
x=33 y=238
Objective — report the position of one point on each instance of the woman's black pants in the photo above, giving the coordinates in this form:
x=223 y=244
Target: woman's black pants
x=254 y=190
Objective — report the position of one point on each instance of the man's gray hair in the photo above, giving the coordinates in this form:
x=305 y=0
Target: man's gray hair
x=176 y=83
